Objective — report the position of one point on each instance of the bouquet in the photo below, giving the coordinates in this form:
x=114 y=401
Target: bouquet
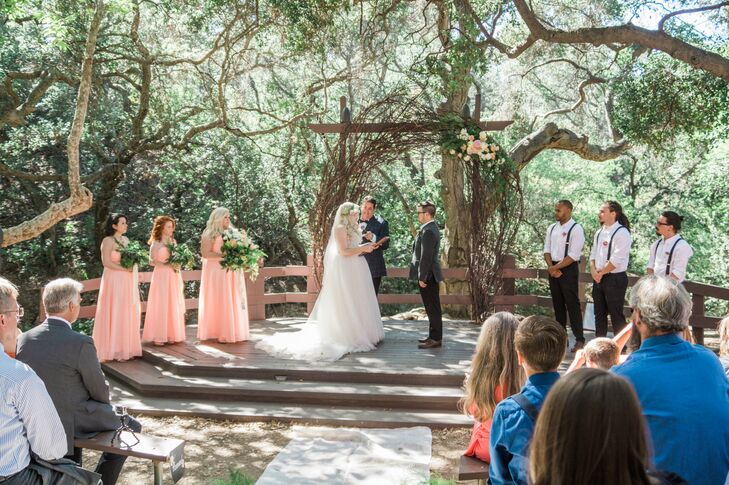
x=180 y=256
x=240 y=253
x=132 y=254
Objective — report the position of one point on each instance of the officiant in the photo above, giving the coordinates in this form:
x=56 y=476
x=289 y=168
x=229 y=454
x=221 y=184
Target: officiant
x=374 y=228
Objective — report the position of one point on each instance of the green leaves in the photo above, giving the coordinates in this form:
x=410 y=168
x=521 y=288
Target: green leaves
x=661 y=98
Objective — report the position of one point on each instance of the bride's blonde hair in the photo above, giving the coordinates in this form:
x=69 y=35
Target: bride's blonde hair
x=214 y=227
x=353 y=230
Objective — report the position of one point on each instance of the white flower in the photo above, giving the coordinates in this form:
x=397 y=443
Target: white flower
x=460 y=155
x=482 y=136
x=467 y=158
x=495 y=148
x=452 y=152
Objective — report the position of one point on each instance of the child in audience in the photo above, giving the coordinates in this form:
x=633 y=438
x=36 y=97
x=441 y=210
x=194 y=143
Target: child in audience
x=606 y=446
x=541 y=344
x=495 y=374
x=602 y=351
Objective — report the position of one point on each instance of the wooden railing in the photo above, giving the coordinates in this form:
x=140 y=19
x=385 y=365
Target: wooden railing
x=506 y=301
x=258 y=298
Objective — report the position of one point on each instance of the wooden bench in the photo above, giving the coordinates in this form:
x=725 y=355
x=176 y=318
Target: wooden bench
x=159 y=450
x=470 y=468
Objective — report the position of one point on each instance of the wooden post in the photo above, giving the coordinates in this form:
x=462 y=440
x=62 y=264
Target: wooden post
x=312 y=286
x=698 y=311
x=343 y=135
x=508 y=285
x=255 y=291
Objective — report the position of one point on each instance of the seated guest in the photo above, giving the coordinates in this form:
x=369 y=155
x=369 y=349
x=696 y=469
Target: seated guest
x=605 y=446
x=602 y=351
x=540 y=346
x=495 y=374
x=724 y=344
x=682 y=387
x=28 y=420
x=67 y=363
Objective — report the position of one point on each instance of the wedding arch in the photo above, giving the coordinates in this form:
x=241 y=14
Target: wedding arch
x=363 y=146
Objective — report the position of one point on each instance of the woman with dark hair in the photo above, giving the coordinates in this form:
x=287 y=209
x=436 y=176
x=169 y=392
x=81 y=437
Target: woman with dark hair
x=609 y=259
x=669 y=255
x=165 y=318
x=605 y=446
x=118 y=309
x=495 y=374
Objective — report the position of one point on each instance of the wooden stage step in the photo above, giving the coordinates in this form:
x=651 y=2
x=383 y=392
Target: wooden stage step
x=267 y=412
x=149 y=380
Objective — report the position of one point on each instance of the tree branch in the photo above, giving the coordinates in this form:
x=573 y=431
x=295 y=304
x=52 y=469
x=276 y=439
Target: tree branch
x=80 y=198
x=550 y=136
x=627 y=34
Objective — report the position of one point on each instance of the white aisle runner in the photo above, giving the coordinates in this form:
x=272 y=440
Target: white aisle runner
x=320 y=456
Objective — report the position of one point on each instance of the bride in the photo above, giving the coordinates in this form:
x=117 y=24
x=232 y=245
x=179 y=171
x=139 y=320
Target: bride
x=346 y=316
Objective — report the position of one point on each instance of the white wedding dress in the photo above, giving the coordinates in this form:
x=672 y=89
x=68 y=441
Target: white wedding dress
x=346 y=316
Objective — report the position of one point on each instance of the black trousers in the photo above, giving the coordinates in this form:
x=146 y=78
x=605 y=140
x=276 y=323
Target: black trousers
x=376 y=280
x=566 y=299
x=110 y=465
x=431 y=300
x=609 y=298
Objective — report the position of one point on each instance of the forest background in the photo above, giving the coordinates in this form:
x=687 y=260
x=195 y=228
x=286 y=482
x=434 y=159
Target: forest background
x=194 y=104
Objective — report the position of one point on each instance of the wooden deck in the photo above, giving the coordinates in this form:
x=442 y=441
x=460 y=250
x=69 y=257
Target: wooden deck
x=393 y=385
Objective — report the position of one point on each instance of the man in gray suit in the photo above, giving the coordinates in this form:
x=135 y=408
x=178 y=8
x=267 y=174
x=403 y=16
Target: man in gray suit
x=425 y=268
x=67 y=363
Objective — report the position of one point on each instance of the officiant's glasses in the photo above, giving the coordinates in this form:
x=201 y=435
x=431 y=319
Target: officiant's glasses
x=20 y=311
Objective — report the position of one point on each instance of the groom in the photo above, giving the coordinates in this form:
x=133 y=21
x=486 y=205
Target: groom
x=425 y=268
x=375 y=228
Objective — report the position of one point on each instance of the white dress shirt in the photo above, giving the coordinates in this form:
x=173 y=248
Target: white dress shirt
x=28 y=418
x=556 y=238
x=660 y=251
x=620 y=252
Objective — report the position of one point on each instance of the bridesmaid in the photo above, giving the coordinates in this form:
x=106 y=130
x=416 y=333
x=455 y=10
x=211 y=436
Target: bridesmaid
x=118 y=309
x=165 y=318
x=222 y=314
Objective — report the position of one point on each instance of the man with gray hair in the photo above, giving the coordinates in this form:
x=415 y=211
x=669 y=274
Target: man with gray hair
x=682 y=388
x=29 y=422
x=67 y=363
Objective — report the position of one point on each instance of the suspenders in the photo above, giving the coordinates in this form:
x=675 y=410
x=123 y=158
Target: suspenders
x=670 y=253
x=610 y=244
x=567 y=242
x=526 y=405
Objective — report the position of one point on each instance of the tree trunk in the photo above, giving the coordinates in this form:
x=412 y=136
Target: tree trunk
x=104 y=196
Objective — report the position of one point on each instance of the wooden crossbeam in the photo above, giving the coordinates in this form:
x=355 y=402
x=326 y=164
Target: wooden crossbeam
x=411 y=127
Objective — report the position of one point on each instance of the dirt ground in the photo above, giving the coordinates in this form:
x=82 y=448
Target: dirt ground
x=213 y=448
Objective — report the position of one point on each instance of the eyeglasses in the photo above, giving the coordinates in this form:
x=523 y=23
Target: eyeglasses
x=659 y=223
x=20 y=311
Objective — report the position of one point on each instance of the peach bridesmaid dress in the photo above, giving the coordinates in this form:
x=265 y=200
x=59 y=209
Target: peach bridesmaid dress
x=118 y=315
x=222 y=313
x=165 y=317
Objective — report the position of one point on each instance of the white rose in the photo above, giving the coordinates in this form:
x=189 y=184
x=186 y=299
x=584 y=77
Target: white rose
x=467 y=158
x=452 y=152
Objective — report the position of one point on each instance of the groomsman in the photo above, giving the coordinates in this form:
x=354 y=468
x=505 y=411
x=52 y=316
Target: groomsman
x=608 y=266
x=374 y=228
x=670 y=254
x=425 y=268
x=562 y=252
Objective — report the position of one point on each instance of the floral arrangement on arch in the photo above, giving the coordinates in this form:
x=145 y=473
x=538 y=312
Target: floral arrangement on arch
x=471 y=143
